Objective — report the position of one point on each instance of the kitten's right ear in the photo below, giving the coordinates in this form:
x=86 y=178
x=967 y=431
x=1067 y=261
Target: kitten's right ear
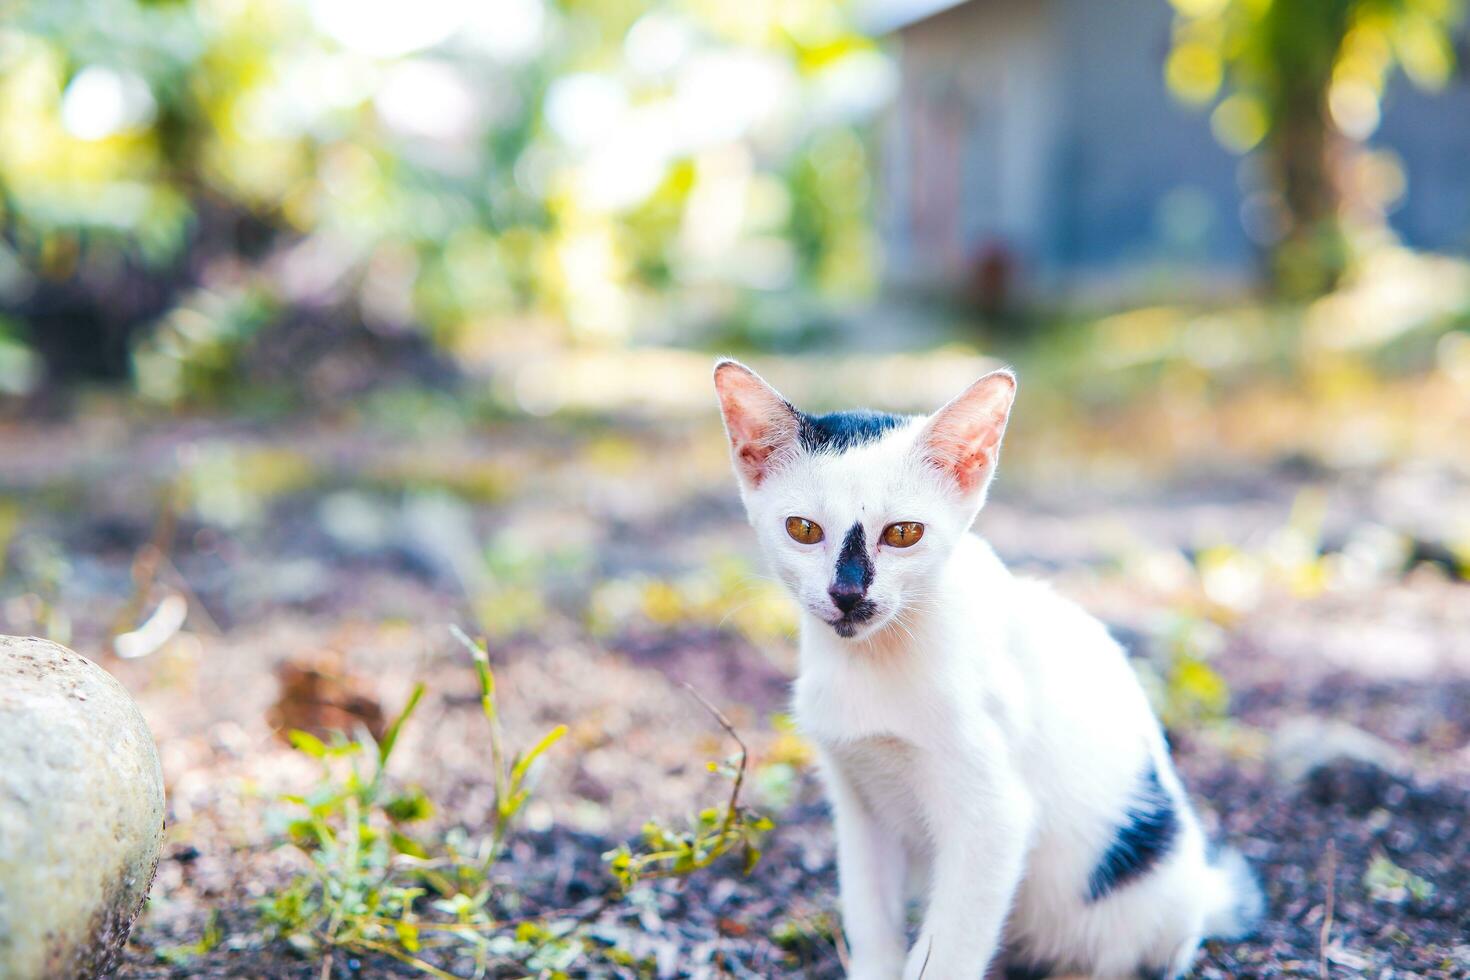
x=762 y=426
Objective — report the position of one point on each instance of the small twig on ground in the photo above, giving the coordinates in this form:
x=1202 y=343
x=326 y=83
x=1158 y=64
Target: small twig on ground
x=676 y=854
x=1326 y=935
x=734 y=806
x=924 y=967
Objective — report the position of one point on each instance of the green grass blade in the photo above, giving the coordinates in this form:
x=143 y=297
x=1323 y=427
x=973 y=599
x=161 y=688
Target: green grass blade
x=390 y=738
x=518 y=772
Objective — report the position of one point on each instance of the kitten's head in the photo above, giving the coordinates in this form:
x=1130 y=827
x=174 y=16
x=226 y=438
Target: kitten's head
x=857 y=512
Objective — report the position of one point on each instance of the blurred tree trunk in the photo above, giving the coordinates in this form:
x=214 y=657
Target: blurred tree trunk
x=1307 y=152
x=1304 y=82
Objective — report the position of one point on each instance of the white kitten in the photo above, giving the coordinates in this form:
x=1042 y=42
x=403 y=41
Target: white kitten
x=976 y=731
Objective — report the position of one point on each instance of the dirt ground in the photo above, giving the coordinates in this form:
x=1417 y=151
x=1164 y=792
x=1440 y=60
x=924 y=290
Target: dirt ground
x=609 y=564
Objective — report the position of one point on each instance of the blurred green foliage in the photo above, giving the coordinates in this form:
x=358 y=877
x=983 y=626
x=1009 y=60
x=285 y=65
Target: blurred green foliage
x=1304 y=81
x=179 y=175
x=1387 y=882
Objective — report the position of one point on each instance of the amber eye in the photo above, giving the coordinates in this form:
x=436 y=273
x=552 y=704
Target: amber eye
x=903 y=534
x=803 y=530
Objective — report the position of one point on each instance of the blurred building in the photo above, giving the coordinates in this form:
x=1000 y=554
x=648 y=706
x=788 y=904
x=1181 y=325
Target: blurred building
x=1033 y=147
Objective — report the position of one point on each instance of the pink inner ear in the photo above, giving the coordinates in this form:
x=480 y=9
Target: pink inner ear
x=962 y=439
x=755 y=442
x=748 y=428
x=969 y=468
x=965 y=459
x=757 y=419
x=753 y=458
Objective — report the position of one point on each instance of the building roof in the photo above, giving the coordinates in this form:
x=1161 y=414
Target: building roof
x=887 y=16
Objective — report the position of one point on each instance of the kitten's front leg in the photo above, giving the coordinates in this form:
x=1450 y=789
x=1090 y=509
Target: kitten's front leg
x=981 y=834
x=870 y=873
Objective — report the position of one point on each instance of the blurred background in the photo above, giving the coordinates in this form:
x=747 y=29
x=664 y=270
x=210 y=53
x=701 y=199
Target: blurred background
x=326 y=324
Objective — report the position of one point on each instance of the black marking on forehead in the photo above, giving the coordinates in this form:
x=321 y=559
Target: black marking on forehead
x=854 y=567
x=837 y=432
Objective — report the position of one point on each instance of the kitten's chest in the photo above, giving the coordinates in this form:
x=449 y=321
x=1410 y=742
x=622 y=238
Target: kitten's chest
x=888 y=773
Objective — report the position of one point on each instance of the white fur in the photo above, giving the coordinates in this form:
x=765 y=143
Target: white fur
x=981 y=734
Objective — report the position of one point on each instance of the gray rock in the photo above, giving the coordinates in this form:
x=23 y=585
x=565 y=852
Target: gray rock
x=81 y=813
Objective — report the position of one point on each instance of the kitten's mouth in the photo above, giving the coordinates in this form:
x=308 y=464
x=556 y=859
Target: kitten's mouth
x=853 y=620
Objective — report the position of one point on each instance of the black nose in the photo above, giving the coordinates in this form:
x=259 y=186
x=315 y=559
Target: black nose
x=846 y=596
x=854 y=571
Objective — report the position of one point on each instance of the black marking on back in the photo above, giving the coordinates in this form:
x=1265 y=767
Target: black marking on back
x=854 y=567
x=1148 y=831
x=837 y=432
x=1027 y=971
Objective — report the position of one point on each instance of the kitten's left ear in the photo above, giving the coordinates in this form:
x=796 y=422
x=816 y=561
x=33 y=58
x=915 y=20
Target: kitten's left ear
x=963 y=438
x=762 y=426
